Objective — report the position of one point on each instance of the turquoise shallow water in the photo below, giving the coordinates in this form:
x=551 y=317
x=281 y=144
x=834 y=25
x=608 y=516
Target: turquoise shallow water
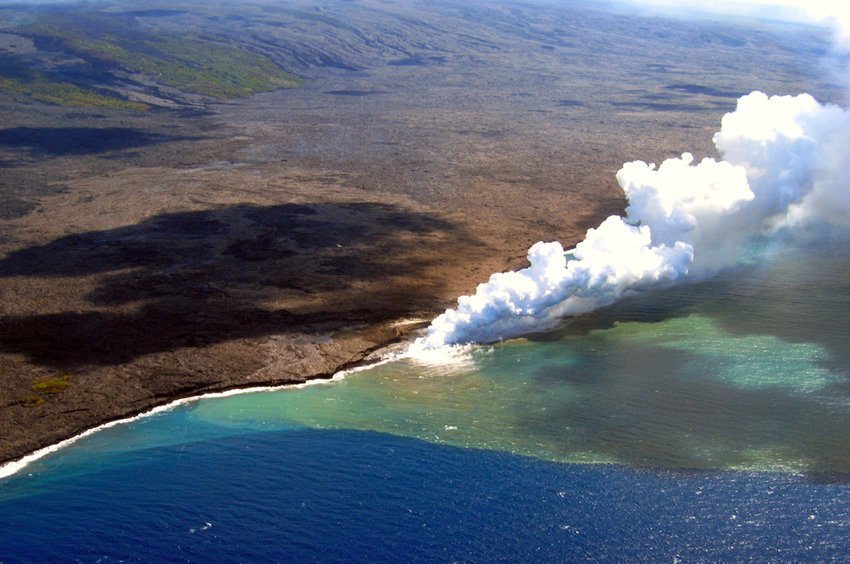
x=716 y=416
x=746 y=371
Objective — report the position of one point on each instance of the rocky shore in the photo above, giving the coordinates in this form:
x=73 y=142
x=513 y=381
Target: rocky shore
x=199 y=245
x=119 y=295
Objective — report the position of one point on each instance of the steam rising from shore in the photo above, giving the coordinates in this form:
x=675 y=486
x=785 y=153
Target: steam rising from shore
x=785 y=164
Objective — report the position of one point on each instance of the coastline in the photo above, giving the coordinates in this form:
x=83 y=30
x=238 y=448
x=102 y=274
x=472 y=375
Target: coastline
x=370 y=358
x=272 y=240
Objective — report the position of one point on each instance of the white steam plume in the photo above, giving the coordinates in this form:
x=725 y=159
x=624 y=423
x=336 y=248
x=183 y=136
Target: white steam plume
x=785 y=162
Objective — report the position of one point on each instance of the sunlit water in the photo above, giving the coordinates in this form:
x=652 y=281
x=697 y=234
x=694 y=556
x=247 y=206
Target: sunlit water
x=747 y=371
x=745 y=376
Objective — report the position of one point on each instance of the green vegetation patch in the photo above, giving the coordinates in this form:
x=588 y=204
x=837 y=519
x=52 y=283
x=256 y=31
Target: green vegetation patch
x=51 y=384
x=38 y=87
x=32 y=401
x=190 y=64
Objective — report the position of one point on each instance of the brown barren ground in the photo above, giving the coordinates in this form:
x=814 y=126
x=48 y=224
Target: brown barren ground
x=150 y=256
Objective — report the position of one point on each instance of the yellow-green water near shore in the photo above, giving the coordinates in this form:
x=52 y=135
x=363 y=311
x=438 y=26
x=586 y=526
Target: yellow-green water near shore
x=748 y=370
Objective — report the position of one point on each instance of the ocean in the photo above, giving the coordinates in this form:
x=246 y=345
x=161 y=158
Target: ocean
x=710 y=420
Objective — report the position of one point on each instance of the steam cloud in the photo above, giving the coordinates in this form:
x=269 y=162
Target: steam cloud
x=785 y=163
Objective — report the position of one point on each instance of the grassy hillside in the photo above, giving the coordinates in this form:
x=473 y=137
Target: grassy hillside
x=97 y=51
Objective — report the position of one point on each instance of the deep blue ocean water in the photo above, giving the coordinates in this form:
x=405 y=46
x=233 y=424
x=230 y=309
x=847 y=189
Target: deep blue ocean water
x=338 y=495
x=705 y=422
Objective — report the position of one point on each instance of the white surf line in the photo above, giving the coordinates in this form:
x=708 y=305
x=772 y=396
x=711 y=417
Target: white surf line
x=15 y=466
